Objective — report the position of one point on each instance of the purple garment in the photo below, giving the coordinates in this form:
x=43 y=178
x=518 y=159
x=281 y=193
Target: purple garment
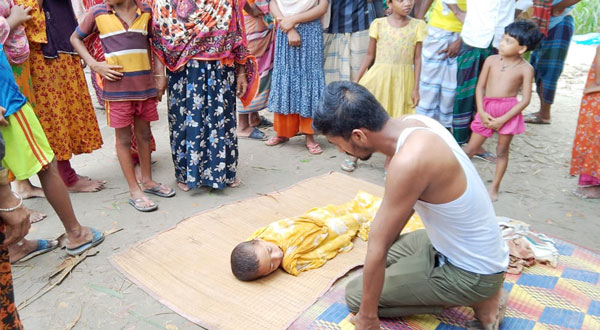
x=60 y=24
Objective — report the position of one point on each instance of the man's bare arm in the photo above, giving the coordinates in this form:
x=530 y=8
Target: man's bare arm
x=404 y=185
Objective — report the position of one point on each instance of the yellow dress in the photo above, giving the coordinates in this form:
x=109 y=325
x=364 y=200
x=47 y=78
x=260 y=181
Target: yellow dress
x=309 y=240
x=391 y=78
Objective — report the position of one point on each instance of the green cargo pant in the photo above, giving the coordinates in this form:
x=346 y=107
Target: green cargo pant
x=417 y=283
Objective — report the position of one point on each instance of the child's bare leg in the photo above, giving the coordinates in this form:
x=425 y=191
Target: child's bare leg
x=474 y=145
x=142 y=135
x=58 y=197
x=27 y=190
x=501 y=163
x=123 y=144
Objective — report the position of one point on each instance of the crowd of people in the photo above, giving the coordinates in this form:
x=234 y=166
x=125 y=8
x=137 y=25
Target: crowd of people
x=219 y=63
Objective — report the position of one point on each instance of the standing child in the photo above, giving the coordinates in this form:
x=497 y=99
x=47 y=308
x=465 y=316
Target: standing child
x=298 y=78
x=395 y=46
x=129 y=88
x=498 y=108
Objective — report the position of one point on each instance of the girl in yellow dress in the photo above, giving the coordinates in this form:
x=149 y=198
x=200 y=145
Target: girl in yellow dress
x=307 y=242
x=395 y=46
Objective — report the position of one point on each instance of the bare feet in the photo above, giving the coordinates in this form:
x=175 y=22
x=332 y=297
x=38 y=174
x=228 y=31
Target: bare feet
x=27 y=190
x=489 y=313
x=587 y=192
x=493 y=194
x=183 y=186
x=35 y=216
x=235 y=184
x=87 y=186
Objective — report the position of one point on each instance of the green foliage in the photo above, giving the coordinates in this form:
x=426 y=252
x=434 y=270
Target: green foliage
x=587 y=16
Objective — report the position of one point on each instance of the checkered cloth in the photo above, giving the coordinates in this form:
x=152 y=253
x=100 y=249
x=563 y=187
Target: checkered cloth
x=542 y=10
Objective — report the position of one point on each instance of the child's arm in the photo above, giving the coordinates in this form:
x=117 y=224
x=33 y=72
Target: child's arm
x=595 y=87
x=367 y=60
x=417 y=69
x=19 y=14
x=497 y=123
x=107 y=71
x=480 y=91
x=287 y=23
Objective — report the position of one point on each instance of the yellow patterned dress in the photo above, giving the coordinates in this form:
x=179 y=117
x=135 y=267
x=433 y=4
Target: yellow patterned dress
x=309 y=240
x=391 y=78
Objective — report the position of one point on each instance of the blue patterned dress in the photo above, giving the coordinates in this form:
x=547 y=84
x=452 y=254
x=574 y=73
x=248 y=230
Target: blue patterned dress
x=298 y=80
x=202 y=124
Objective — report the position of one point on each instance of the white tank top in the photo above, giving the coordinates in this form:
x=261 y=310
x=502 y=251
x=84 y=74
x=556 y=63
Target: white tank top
x=464 y=230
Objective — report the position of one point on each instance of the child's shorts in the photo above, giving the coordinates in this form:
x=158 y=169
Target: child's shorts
x=27 y=148
x=121 y=114
x=496 y=107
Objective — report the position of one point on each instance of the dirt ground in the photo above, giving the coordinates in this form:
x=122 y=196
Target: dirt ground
x=537 y=189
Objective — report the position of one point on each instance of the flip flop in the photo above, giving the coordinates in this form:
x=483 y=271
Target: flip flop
x=42 y=246
x=348 y=165
x=97 y=238
x=264 y=122
x=314 y=149
x=256 y=134
x=486 y=156
x=535 y=119
x=135 y=202
x=275 y=140
x=157 y=191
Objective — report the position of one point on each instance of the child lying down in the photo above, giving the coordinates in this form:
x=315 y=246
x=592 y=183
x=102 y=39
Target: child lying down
x=306 y=242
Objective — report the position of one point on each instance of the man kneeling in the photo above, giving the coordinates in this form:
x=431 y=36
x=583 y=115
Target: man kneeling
x=460 y=258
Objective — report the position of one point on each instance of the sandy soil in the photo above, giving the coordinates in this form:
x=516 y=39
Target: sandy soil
x=536 y=189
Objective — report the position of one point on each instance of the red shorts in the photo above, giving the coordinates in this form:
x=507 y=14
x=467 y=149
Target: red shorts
x=121 y=114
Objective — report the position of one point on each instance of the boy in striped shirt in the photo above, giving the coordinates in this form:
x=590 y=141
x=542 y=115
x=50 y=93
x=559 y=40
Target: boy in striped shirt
x=130 y=86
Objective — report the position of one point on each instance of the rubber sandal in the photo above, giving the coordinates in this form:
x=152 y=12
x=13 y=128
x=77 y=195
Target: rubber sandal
x=157 y=191
x=42 y=246
x=314 y=149
x=535 y=119
x=97 y=238
x=264 y=122
x=256 y=134
x=486 y=156
x=135 y=202
x=275 y=140
x=348 y=165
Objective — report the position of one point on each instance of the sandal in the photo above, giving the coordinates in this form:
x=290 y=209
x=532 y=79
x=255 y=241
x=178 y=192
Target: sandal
x=42 y=246
x=314 y=149
x=264 y=122
x=533 y=118
x=348 y=165
x=136 y=203
x=158 y=191
x=486 y=156
x=256 y=134
x=275 y=140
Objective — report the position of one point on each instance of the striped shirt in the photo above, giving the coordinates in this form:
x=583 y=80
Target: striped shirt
x=349 y=16
x=126 y=46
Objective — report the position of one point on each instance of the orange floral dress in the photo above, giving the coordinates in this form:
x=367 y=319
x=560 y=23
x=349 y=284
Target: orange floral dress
x=586 y=147
x=62 y=100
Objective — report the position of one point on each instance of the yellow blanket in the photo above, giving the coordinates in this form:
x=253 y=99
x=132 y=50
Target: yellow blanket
x=309 y=240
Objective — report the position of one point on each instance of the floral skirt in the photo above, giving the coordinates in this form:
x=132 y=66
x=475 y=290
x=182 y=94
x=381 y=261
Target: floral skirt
x=9 y=316
x=63 y=104
x=202 y=124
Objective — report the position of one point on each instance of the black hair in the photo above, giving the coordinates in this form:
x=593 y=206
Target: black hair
x=244 y=262
x=346 y=106
x=526 y=32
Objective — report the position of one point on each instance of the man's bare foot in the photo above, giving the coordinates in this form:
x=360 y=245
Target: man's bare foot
x=27 y=190
x=183 y=186
x=27 y=249
x=35 y=216
x=87 y=186
x=489 y=313
x=493 y=194
x=587 y=192
x=85 y=177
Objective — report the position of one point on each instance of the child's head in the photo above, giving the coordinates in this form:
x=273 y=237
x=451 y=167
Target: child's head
x=519 y=37
x=402 y=7
x=254 y=259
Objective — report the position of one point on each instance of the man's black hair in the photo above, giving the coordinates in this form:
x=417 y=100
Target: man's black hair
x=526 y=32
x=346 y=106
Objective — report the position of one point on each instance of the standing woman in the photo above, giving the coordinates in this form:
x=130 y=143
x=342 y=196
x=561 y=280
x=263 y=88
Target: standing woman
x=202 y=43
